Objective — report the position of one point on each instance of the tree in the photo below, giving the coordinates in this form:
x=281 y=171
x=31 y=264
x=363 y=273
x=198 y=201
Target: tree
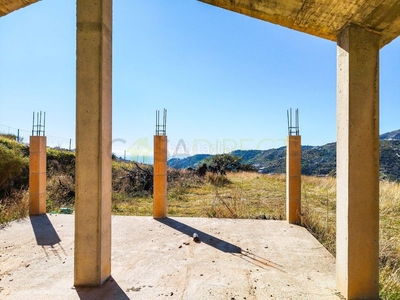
x=222 y=163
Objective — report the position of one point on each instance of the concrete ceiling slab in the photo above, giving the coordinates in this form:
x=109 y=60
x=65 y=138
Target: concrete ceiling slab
x=8 y=6
x=323 y=18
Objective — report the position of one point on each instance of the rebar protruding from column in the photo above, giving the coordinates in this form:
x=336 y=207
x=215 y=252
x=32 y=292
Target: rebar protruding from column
x=293 y=130
x=37 y=165
x=161 y=129
x=38 y=128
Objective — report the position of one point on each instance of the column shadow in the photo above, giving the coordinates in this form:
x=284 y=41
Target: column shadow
x=109 y=290
x=45 y=233
x=203 y=237
x=221 y=245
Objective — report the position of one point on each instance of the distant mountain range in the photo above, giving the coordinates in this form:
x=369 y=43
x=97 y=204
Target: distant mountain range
x=392 y=135
x=315 y=160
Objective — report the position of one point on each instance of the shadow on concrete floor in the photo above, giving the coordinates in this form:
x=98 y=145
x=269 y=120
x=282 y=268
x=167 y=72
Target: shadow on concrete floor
x=45 y=233
x=259 y=261
x=109 y=290
x=203 y=237
x=221 y=245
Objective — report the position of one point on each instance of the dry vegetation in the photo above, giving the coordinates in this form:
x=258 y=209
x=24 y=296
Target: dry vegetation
x=13 y=207
x=389 y=244
x=237 y=195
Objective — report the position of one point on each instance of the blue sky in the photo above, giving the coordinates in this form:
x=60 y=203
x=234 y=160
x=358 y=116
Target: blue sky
x=227 y=80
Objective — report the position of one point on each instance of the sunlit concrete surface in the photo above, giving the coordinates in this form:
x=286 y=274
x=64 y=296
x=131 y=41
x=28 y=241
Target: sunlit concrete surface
x=37 y=175
x=93 y=186
x=323 y=18
x=293 y=179
x=7 y=6
x=160 y=177
x=357 y=172
x=153 y=259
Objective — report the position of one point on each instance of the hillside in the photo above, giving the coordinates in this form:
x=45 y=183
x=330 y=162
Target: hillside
x=316 y=160
x=392 y=135
x=188 y=162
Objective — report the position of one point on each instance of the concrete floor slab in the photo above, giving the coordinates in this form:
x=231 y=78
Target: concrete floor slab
x=158 y=259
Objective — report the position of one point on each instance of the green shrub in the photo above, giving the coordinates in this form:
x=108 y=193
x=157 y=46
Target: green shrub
x=11 y=143
x=222 y=163
x=13 y=168
x=60 y=161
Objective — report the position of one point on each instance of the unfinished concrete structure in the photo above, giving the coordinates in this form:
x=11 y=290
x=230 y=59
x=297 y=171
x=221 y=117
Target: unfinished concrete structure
x=7 y=6
x=360 y=29
x=37 y=175
x=160 y=168
x=357 y=234
x=93 y=143
x=293 y=170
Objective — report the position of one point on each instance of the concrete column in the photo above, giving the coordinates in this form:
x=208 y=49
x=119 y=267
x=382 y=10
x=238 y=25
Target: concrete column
x=357 y=225
x=293 y=179
x=93 y=143
x=160 y=177
x=37 y=175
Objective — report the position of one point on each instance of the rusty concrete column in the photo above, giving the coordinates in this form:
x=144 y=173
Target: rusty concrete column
x=293 y=179
x=160 y=177
x=93 y=143
x=357 y=222
x=37 y=175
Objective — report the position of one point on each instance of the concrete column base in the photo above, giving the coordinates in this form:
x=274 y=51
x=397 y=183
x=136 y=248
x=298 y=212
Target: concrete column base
x=160 y=177
x=293 y=179
x=37 y=175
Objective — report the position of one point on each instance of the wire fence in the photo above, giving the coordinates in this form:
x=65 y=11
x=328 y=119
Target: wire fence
x=23 y=136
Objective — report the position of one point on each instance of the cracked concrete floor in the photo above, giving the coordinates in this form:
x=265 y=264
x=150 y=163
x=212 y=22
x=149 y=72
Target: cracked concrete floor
x=158 y=259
